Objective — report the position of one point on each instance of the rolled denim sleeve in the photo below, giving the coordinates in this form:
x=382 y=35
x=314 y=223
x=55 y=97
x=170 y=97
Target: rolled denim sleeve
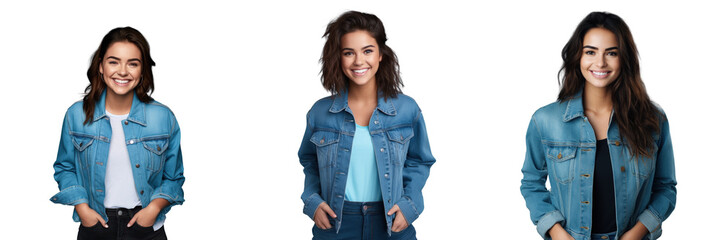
x=663 y=190
x=71 y=191
x=309 y=160
x=415 y=171
x=533 y=185
x=171 y=185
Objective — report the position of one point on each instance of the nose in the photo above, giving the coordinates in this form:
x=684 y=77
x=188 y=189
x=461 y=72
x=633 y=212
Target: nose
x=123 y=71
x=601 y=61
x=359 y=59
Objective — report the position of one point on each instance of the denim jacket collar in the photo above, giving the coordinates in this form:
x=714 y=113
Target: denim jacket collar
x=340 y=103
x=136 y=115
x=574 y=107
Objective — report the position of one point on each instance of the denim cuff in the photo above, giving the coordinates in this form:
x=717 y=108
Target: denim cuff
x=72 y=195
x=311 y=204
x=547 y=221
x=409 y=210
x=651 y=222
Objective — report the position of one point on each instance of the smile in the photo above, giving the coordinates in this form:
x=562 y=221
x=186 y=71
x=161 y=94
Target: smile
x=600 y=74
x=360 y=72
x=121 y=81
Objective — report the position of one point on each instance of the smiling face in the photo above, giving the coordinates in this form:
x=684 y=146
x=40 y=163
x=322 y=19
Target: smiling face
x=360 y=57
x=121 y=68
x=600 y=63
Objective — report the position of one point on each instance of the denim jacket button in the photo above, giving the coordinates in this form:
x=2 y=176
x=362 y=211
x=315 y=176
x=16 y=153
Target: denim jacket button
x=383 y=150
x=617 y=143
x=376 y=122
x=137 y=165
x=560 y=156
x=141 y=192
x=126 y=122
x=322 y=141
x=81 y=144
x=131 y=141
x=386 y=175
x=158 y=148
x=623 y=169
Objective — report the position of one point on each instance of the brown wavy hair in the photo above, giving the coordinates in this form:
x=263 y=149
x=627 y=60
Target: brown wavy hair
x=95 y=89
x=388 y=77
x=635 y=114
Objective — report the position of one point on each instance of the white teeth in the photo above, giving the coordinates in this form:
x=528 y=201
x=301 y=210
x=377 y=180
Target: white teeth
x=121 y=81
x=600 y=73
x=360 y=71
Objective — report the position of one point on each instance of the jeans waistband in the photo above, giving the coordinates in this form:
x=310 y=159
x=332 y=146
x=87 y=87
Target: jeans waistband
x=116 y=212
x=363 y=208
x=603 y=236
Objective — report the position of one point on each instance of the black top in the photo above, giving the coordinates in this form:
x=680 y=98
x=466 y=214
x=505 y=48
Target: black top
x=604 y=203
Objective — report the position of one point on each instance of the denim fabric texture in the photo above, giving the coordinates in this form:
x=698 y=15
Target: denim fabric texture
x=152 y=137
x=401 y=146
x=561 y=147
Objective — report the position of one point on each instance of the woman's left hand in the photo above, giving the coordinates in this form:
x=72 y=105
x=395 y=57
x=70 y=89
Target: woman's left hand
x=146 y=216
x=636 y=233
x=400 y=223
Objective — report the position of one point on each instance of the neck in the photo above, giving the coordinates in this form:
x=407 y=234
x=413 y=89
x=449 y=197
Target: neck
x=118 y=104
x=597 y=99
x=367 y=93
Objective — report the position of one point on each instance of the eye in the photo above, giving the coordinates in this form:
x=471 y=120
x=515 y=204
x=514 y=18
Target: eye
x=134 y=64
x=113 y=62
x=368 y=51
x=613 y=54
x=347 y=53
x=589 y=53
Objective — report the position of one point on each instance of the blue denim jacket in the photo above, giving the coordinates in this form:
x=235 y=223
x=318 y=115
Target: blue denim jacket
x=153 y=140
x=401 y=146
x=561 y=145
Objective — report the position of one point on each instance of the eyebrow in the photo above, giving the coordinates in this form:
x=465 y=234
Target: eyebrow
x=369 y=46
x=595 y=48
x=116 y=58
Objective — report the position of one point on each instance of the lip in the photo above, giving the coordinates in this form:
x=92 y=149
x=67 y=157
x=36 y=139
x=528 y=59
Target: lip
x=600 y=74
x=360 y=72
x=122 y=82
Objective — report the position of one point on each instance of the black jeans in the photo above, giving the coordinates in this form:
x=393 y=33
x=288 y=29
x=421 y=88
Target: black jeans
x=117 y=228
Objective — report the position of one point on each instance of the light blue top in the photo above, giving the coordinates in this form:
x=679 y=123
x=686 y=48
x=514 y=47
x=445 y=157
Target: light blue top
x=363 y=184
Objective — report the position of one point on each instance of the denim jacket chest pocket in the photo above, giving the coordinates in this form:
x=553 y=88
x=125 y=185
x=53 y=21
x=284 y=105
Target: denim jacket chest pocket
x=326 y=143
x=154 y=147
x=399 y=138
x=82 y=143
x=642 y=166
x=562 y=161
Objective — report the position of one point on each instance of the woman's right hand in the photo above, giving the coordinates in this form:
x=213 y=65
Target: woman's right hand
x=321 y=216
x=88 y=216
x=558 y=233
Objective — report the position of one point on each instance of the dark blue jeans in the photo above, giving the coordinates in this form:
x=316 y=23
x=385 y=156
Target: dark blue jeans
x=117 y=228
x=363 y=221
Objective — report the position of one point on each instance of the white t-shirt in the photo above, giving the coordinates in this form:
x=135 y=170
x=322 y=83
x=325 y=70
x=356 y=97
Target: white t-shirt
x=119 y=183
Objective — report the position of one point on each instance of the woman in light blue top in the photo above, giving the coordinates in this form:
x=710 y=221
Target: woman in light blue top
x=604 y=146
x=365 y=151
x=119 y=162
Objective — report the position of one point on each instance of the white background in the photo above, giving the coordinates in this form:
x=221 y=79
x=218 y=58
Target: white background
x=240 y=78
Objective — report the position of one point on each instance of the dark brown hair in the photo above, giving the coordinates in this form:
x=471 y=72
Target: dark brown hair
x=635 y=114
x=94 y=90
x=388 y=77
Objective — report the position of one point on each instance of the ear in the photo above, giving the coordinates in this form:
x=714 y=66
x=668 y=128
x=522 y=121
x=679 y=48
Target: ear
x=100 y=68
x=381 y=56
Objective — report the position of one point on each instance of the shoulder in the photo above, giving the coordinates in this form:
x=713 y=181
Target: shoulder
x=321 y=106
x=158 y=113
x=405 y=102
x=550 y=111
x=75 y=113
